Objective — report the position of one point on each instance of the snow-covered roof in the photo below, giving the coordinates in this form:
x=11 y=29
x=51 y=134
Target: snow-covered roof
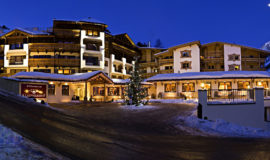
x=26 y=80
x=88 y=20
x=33 y=32
x=161 y=52
x=120 y=81
x=209 y=75
x=57 y=77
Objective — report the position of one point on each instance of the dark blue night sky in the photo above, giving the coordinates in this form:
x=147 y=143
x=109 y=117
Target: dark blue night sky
x=245 y=22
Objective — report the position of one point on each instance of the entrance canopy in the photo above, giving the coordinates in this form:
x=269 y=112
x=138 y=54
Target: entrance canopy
x=93 y=77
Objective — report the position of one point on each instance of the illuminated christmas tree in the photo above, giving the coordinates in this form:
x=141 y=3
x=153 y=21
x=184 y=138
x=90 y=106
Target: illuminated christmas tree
x=135 y=92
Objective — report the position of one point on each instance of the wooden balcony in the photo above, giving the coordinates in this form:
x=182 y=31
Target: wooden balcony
x=212 y=59
x=166 y=71
x=147 y=75
x=253 y=59
x=50 y=62
x=148 y=64
x=165 y=61
x=54 y=47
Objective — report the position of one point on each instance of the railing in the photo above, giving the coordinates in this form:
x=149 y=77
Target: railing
x=16 y=63
x=165 y=61
x=166 y=71
x=54 y=46
x=42 y=62
x=232 y=95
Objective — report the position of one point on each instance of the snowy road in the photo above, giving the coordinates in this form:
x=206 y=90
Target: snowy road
x=106 y=131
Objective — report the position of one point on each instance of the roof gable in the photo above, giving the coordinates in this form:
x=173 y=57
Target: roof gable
x=125 y=37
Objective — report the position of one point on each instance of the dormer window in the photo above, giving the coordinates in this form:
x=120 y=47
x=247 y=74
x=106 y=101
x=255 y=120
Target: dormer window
x=186 y=53
x=92 y=33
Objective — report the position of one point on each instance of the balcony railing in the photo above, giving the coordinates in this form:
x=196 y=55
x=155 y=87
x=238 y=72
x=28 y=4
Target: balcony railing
x=42 y=62
x=165 y=61
x=54 y=46
x=166 y=71
x=232 y=95
x=16 y=63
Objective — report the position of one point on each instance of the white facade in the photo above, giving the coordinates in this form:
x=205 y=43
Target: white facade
x=16 y=52
x=100 y=54
x=231 y=50
x=194 y=59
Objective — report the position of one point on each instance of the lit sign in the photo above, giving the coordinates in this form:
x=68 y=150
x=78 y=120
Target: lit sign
x=33 y=90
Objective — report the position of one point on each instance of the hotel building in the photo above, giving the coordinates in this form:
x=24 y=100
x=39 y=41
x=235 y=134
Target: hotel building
x=66 y=48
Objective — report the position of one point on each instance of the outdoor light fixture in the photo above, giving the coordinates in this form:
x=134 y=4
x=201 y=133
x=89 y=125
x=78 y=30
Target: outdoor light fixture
x=259 y=83
x=202 y=85
x=51 y=83
x=66 y=84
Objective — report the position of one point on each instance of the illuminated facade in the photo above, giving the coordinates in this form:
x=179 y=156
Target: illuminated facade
x=66 y=48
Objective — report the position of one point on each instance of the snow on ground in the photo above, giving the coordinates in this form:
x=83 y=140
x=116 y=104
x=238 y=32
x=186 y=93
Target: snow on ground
x=14 y=146
x=219 y=128
x=5 y=93
x=142 y=107
x=176 y=101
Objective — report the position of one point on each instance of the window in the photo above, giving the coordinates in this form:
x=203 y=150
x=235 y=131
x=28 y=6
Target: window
x=16 y=46
x=243 y=85
x=263 y=84
x=106 y=63
x=93 y=47
x=91 y=61
x=234 y=67
x=113 y=91
x=92 y=33
x=51 y=89
x=211 y=67
x=168 y=67
x=188 y=87
x=233 y=57
x=186 y=65
x=98 y=91
x=65 y=90
x=170 y=87
x=16 y=60
x=186 y=53
x=224 y=85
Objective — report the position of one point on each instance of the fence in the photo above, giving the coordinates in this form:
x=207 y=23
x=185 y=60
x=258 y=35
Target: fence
x=232 y=95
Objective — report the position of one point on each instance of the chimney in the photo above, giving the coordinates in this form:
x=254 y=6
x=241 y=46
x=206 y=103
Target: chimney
x=149 y=44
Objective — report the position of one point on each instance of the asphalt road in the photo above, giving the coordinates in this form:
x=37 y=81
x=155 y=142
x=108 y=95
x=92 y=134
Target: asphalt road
x=103 y=131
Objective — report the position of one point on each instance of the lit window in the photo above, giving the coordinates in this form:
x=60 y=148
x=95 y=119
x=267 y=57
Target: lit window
x=60 y=71
x=263 y=84
x=224 y=85
x=98 y=91
x=170 y=87
x=66 y=71
x=243 y=85
x=113 y=91
x=188 y=87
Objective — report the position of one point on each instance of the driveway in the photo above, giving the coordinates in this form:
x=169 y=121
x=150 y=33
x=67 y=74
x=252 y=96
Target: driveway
x=105 y=131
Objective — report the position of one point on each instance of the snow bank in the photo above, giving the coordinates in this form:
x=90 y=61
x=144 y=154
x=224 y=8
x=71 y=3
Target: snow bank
x=176 y=101
x=142 y=107
x=219 y=128
x=14 y=146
